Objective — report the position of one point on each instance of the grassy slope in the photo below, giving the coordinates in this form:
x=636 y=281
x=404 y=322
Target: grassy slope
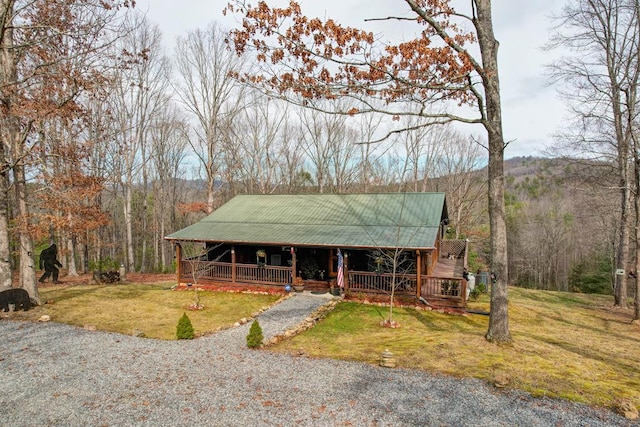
x=565 y=345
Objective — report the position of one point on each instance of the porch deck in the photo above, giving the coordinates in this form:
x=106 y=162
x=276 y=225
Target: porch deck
x=444 y=287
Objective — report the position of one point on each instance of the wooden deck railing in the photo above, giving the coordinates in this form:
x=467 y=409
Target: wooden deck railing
x=266 y=274
x=192 y=270
x=443 y=287
x=363 y=281
x=222 y=271
x=449 y=288
x=431 y=287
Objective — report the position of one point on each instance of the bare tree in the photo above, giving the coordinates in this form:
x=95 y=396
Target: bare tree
x=295 y=177
x=169 y=143
x=317 y=132
x=254 y=144
x=138 y=93
x=345 y=160
x=601 y=78
x=320 y=59
x=205 y=67
x=457 y=170
x=330 y=147
x=422 y=150
x=49 y=54
x=370 y=152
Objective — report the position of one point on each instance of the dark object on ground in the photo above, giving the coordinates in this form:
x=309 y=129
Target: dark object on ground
x=49 y=261
x=107 y=277
x=484 y=313
x=17 y=296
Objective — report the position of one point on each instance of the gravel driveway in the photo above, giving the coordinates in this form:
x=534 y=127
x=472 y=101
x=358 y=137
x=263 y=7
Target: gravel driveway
x=59 y=375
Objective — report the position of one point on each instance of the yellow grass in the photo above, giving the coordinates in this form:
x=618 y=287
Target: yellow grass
x=151 y=308
x=565 y=345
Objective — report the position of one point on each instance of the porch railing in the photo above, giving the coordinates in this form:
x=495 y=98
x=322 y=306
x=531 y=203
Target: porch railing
x=362 y=281
x=263 y=274
x=194 y=270
x=357 y=281
x=447 y=288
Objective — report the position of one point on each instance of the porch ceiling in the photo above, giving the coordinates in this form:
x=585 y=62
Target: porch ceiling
x=403 y=220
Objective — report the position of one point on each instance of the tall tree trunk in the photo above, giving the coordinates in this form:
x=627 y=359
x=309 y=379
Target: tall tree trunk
x=211 y=180
x=636 y=311
x=27 y=265
x=5 y=249
x=145 y=206
x=84 y=255
x=71 y=258
x=128 y=219
x=163 y=256
x=499 y=318
x=632 y=99
x=71 y=251
x=622 y=253
x=156 y=240
x=143 y=226
x=8 y=130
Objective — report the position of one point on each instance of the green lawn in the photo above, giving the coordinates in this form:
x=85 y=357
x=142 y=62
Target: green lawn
x=152 y=308
x=565 y=345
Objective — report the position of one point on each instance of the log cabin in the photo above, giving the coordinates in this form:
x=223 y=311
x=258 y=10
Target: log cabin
x=362 y=243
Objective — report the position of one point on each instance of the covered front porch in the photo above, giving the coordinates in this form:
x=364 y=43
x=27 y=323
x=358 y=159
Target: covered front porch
x=435 y=275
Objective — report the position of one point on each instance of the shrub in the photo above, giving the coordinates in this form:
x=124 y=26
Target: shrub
x=592 y=276
x=184 y=330
x=309 y=268
x=479 y=289
x=254 y=339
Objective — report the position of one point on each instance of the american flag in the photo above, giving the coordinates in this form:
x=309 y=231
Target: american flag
x=340 y=270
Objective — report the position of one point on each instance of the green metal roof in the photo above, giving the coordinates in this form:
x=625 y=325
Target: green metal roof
x=394 y=220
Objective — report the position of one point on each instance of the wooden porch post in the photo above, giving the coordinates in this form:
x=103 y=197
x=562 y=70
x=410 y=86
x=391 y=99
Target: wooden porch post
x=345 y=276
x=293 y=265
x=418 y=273
x=179 y=261
x=233 y=264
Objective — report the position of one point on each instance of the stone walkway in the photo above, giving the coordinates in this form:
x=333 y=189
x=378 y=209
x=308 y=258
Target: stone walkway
x=289 y=313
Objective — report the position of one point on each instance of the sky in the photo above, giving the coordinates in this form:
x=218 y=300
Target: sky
x=532 y=111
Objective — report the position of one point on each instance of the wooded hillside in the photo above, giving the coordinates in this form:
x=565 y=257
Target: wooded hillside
x=110 y=143
x=562 y=216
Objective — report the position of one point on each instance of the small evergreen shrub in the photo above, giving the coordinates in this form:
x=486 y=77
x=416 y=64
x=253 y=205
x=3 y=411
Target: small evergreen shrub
x=184 y=330
x=479 y=289
x=592 y=276
x=254 y=339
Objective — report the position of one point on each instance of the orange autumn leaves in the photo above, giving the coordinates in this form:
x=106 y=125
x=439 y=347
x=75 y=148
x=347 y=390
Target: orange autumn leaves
x=317 y=58
x=69 y=203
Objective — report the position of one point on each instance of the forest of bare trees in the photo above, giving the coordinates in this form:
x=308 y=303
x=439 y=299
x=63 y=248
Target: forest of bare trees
x=112 y=141
x=158 y=141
